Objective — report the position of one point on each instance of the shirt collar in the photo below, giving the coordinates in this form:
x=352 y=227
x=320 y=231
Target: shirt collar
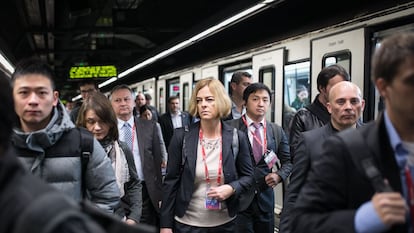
x=395 y=139
x=250 y=121
x=130 y=122
x=177 y=114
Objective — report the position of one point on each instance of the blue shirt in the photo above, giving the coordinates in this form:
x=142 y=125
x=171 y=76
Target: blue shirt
x=366 y=218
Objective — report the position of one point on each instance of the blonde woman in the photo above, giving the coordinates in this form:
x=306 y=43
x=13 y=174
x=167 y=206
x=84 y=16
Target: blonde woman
x=204 y=177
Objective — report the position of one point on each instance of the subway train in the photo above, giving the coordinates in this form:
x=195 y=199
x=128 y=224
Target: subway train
x=294 y=62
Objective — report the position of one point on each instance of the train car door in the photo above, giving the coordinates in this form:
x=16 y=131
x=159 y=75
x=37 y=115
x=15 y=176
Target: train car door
x=161 y=96
x=211 y=71
x=346 y=49
x=268 y=69
x=186 y=82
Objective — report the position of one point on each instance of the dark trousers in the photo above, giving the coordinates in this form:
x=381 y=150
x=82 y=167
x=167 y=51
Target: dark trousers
x=225 y=228
x=253 y=220
x=149 y=213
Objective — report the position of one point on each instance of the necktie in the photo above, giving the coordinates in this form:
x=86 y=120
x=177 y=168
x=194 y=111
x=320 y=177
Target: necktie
x=127 y=134
x=257 y=143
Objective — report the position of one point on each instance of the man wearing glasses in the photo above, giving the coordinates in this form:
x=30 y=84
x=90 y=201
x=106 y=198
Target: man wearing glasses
x=86 y=88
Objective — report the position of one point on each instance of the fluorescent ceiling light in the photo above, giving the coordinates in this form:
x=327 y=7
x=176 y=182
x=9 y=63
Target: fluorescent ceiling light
x=111 y=80
x=204 y=34
x=78 y=97
x=6 y=63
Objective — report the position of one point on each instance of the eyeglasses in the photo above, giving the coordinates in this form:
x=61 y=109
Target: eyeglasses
x=87 y=91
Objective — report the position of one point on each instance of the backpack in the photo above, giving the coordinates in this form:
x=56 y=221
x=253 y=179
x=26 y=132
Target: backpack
x=48 y=211
x=365 y=160
x=86 y=146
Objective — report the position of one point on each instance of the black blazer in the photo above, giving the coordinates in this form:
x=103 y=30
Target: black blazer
x=167 y=126
x=336 y=188
x=308 y=149
x=179 y=180
x=151 y=157
x=265 y=194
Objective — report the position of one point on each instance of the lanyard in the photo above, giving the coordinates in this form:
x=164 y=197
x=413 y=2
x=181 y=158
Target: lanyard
x=203 y=152
x=410 y=191
x=264 y=145
x=133 y=136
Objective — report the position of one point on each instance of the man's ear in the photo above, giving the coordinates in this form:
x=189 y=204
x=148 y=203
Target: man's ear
x=329 y=107
x=381 y=85
x=55 y=98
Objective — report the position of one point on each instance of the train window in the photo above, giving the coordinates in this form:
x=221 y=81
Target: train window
x=173 y=87
x=161 y=100
x=296 y=90
x=227 y=71
x=186 y=96
x=267 y=77
x=342 y=58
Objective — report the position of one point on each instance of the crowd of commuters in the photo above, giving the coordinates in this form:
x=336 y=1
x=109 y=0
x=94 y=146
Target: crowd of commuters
x=216 y=173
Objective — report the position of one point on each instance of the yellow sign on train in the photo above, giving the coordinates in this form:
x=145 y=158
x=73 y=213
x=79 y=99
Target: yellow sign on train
x=78 y=72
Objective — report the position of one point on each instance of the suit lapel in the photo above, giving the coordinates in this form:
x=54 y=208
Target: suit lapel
x=384 y=154
x=140 y=137
x=270 y=137
x=191 y=145
x=227 y=139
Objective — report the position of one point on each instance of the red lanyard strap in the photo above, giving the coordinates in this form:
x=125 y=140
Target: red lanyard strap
x=133 y=135
x=410 y=191
x=264 y=145
x=203 y=152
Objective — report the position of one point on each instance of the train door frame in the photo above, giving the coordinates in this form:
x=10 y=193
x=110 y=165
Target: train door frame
x=352 y=41
x=161 y=96
x=210 y=71
x=226 y=71
x=274 y=59
x=186 y=84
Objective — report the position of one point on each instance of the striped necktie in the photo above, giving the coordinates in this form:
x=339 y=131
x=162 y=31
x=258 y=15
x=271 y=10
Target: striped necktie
x=127 y=134
x=257 y=143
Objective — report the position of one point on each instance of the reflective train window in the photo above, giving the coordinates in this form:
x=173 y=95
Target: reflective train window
x=186 y=96
x=227 y=71
x=378 y=102
x=173 y=87
x=296 y=90
x=161 y=100
x=342 y=58
x=267 y=77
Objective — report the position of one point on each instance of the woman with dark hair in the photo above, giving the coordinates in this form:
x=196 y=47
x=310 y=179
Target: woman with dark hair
x=96 y=114
x=145 y=112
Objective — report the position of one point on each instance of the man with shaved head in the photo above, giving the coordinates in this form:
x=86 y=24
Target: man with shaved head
x=345 y=104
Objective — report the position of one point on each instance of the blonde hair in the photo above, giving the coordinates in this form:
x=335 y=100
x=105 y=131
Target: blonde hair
x=222 y=100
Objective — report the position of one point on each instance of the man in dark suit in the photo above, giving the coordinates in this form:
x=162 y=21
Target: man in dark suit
x=174 y=118
x=256 y=212
x=339 y=195
x=345 y=104
x=86 y=88
x=142 y=137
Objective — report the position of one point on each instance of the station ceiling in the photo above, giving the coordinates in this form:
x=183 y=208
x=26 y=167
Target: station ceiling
x=122 y=33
